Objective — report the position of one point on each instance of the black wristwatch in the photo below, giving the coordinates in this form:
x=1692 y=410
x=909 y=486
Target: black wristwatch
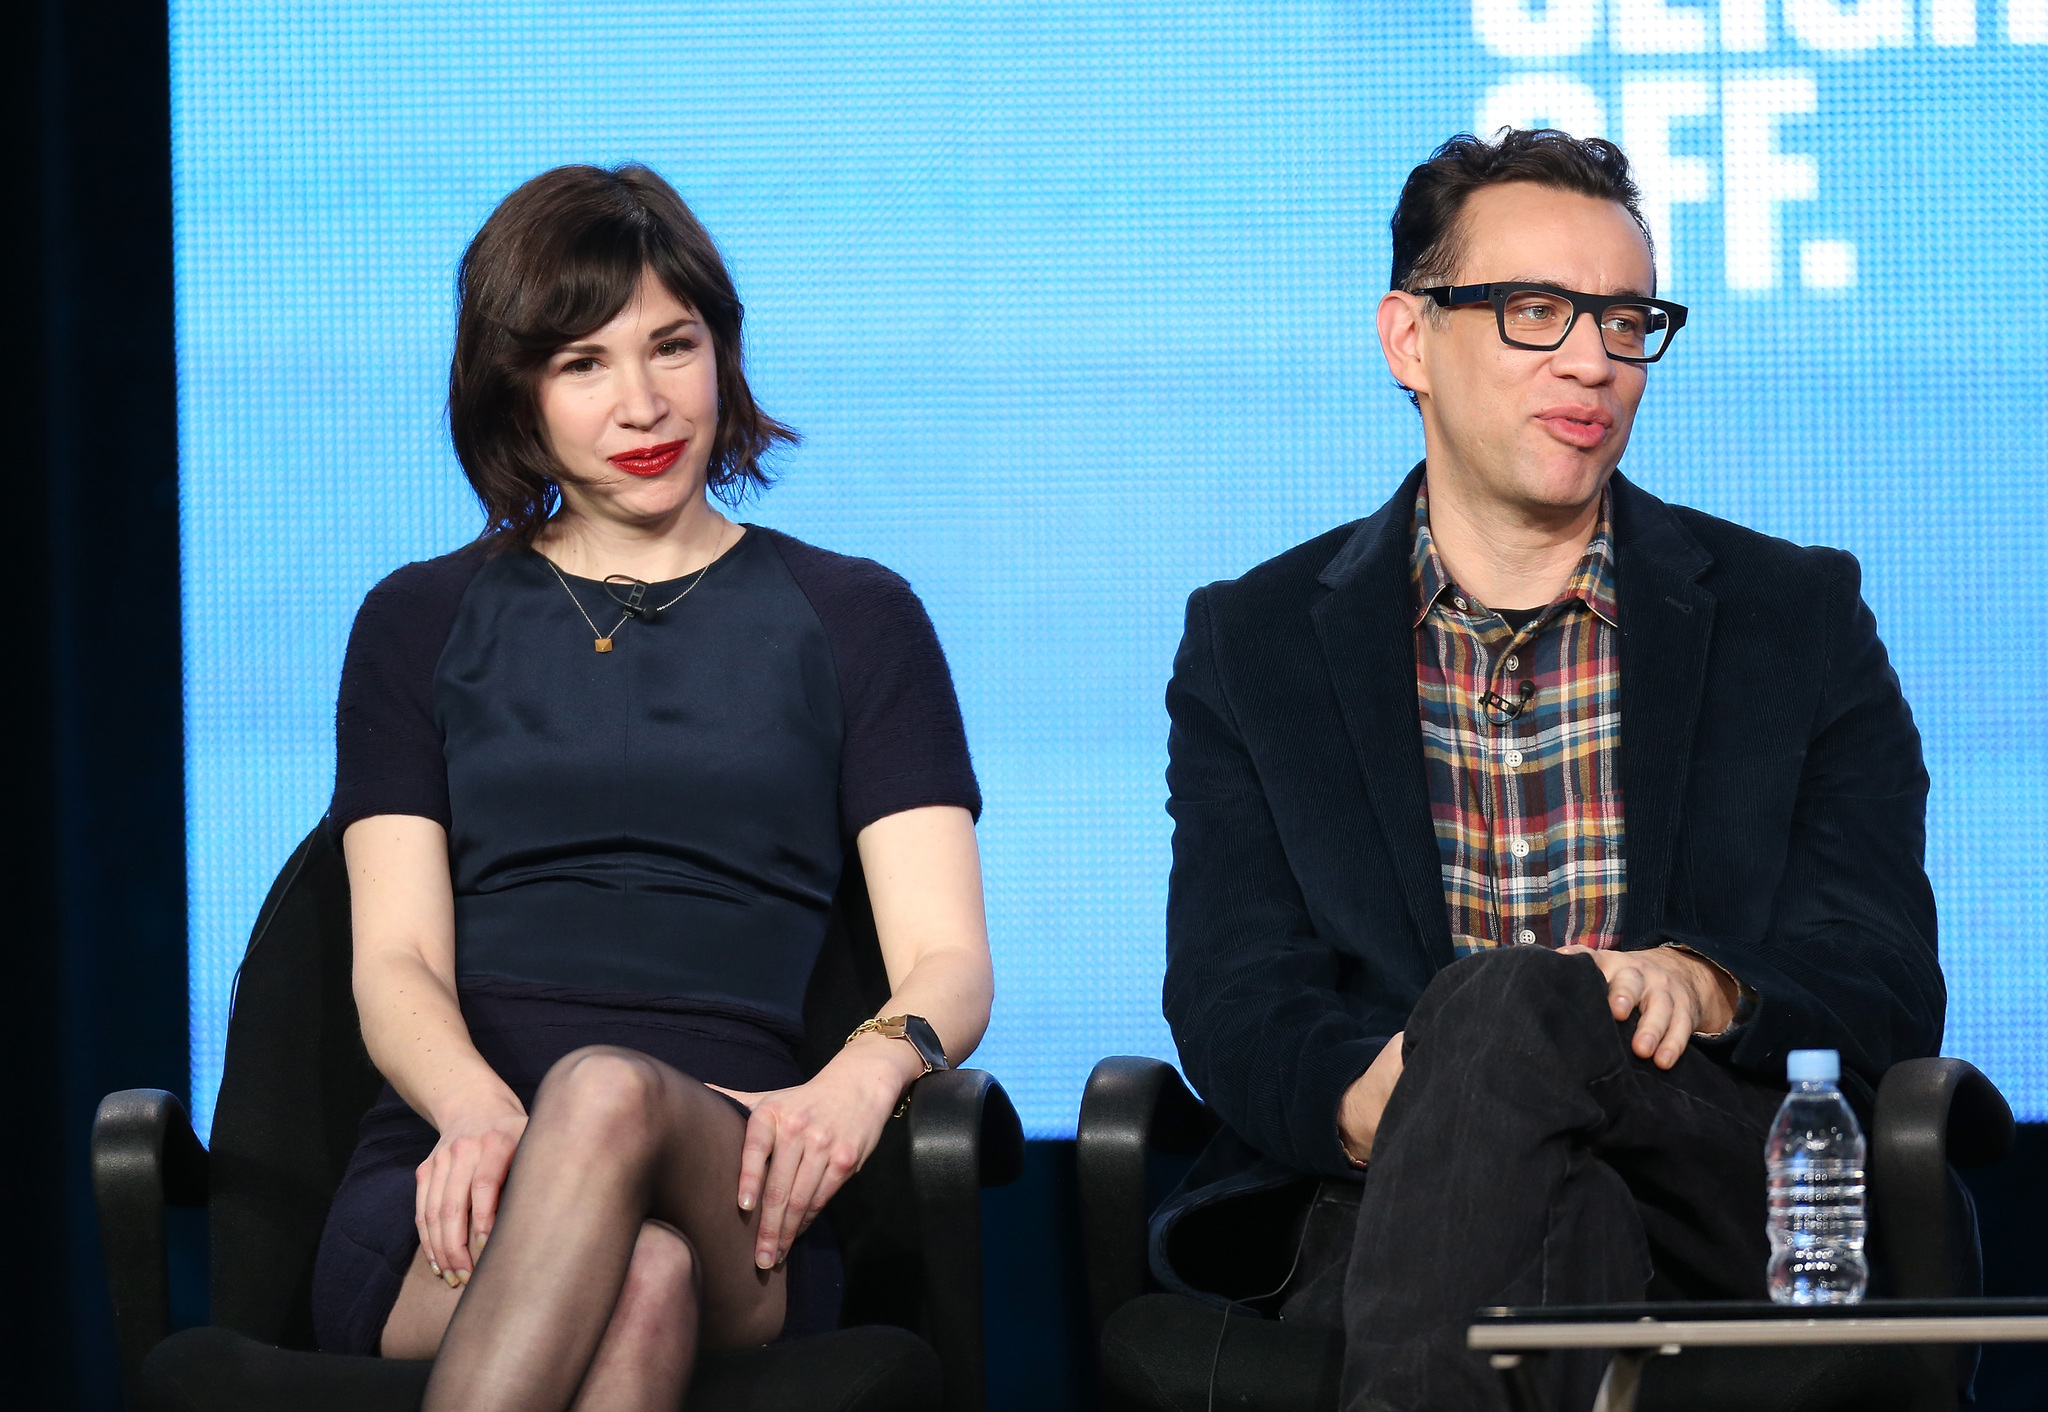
x=913 y=1028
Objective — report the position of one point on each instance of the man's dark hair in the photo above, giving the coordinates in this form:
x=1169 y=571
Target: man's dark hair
x=557 y=260
x=1426 y=224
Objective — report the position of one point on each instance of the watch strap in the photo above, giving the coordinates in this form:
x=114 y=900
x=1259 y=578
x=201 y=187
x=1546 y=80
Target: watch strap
x=914 y=1030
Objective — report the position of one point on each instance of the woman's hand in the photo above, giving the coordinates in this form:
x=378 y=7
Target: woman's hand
x=804 y=1142
x=455 y=1201
x=402 y=904
x=924 y=880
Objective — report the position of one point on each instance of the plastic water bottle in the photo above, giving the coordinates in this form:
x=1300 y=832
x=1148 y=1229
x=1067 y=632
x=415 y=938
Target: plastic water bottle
x=1815 y=1157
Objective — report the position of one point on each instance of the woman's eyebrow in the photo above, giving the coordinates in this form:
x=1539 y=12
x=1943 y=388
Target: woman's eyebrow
x=588 y=346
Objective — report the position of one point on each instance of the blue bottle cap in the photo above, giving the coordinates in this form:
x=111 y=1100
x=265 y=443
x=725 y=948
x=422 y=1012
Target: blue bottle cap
x=1813 y=1066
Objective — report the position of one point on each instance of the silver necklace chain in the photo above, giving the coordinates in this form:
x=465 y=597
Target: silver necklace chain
x=604 y=639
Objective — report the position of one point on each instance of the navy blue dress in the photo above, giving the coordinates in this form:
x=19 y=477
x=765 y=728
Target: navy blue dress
x=644 y=843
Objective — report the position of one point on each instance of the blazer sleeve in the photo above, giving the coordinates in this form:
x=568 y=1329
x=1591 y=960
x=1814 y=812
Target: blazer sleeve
x=1251 y=993
x=1848 y=961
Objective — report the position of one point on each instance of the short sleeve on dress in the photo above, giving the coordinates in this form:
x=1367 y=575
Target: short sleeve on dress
x=905 y=744
x=387 y=745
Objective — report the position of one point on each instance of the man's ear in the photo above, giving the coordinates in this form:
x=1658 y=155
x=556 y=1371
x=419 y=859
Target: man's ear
x=1400 y=324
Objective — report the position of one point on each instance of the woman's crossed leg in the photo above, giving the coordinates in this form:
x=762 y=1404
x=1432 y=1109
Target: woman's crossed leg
x=619 y=1245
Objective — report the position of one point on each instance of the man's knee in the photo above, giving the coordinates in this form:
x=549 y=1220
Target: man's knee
x=1520 y=1029
x=1509 y=988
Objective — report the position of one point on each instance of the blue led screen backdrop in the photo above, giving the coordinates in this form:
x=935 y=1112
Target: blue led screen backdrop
x=1073 y=305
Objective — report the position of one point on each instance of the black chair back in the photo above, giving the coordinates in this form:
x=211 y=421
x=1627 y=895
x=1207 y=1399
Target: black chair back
x=294 y=1085
x=296 y=1082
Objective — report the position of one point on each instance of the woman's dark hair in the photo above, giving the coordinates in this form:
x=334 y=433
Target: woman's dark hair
x=558 y=259
x=1426 y=226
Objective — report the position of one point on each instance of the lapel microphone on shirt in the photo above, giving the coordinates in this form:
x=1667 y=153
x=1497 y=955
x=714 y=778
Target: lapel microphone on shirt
x=1494 y=701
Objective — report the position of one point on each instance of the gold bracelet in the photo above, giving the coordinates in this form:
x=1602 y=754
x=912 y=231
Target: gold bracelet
x=889 y=1027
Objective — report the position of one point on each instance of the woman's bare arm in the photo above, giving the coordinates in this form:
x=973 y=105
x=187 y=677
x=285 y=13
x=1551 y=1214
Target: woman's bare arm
x=923 y=869
x=403 y=908
x=924 y=881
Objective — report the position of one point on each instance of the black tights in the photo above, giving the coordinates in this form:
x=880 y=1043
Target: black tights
x=626 y=1166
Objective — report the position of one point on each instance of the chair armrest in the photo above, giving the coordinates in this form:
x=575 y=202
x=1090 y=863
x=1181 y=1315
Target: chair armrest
x=1931 y=1114
x=1130 y=1106
x=964 y=1136
x=144 y=1157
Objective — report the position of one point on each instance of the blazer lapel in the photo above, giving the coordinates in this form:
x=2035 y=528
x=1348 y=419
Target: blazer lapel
x=1667 y=622
x=1367 y=631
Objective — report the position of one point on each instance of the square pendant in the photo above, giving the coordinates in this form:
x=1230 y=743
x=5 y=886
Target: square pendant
x=604 y=644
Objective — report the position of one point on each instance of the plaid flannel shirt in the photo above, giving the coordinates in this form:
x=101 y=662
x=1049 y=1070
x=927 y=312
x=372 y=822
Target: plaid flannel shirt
x=1520 y=741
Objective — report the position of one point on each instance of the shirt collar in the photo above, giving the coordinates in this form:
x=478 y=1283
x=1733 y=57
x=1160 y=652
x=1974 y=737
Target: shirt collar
x=1592 y=582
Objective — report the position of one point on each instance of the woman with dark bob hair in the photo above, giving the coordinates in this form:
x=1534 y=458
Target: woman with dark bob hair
x=599 y=776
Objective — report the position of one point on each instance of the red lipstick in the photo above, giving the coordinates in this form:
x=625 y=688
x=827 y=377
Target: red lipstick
x=649 y=460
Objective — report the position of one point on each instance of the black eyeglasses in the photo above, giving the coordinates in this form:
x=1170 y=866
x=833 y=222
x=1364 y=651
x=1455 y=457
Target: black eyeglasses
x=1540 y=317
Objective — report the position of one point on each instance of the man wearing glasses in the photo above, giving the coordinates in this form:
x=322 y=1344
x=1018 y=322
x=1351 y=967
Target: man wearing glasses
x=1521 y=830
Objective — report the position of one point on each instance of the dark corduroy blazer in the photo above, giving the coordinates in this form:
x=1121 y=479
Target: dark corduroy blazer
x=1771 y=781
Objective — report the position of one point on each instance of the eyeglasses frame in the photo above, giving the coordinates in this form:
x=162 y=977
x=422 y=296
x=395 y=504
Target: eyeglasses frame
x=1452 y=296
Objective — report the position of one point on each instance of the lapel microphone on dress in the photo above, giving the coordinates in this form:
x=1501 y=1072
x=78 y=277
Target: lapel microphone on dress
x=633 y=602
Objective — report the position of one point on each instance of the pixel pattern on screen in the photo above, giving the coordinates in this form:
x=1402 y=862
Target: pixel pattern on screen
x=1073 y=304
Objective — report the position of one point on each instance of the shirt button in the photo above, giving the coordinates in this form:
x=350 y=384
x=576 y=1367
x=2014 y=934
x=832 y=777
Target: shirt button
x=1461 y=604
x=1520 y=848
x=1513 y=759
x=1513 y=663
x=1525 y=937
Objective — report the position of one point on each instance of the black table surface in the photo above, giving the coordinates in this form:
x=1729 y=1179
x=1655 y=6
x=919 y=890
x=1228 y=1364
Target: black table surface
x=1764 y=1309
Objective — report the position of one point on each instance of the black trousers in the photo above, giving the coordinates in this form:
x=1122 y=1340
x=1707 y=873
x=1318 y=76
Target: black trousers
x=1528 y=1157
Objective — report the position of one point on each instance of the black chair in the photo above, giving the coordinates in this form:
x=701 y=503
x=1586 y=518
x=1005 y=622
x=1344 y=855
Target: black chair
x=1159 y=1349
x=296 y=1083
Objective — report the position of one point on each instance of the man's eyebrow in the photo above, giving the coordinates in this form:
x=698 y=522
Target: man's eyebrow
x=1629 y=292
